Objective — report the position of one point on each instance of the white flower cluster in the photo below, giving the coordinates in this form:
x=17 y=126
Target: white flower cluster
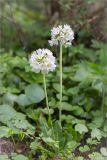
x=62 y=35
x=42 y=60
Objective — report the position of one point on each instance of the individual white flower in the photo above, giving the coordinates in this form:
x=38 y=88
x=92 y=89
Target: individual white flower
x=62 y=35
x=42 y=60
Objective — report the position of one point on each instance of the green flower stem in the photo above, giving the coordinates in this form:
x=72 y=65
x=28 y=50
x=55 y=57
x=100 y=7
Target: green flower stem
x=46 y=96
x=60 y=107
x=103 y=102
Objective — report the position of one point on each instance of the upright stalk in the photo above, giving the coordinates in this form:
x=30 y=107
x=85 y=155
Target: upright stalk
x=60 y=107
x=46 y=96
x=103 y=101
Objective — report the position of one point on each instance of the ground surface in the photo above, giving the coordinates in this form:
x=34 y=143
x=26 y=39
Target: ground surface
x=7 y=147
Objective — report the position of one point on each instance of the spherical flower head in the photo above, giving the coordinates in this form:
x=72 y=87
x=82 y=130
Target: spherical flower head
x=63 y=35
x=42 y=60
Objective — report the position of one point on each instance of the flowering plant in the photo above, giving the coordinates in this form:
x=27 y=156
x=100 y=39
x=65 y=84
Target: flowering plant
x=42 y=60
x=62 y=35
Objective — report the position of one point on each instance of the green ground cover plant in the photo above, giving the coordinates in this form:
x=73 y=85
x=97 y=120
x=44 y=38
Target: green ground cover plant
x=59 y=113
x=83 y=103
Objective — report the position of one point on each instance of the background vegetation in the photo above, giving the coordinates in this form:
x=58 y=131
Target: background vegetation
x=25 y=26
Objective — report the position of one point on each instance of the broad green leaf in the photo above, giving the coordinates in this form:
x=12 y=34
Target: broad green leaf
x=6 y=113
x=71 y=145
x=36 y=146
x=103 y=151
x=45 y=111
x=80 y=158
x=96 y=133
x=81 y=128
x=98 y=85
x=34 y=114
x=95 y=156
x=31 y=77
x=19 y=157
x=91 y=141
x=65 y=106
x=4 y=157
x=83 y=74
x=76 y=110
x=51 y=142
x=23 y=100
x=15 y=120
x=91 y=126
x=4 y=132
x=73 y=91
x=34 y=93
x=67 y=118
x=9 y=98
x=56 y=86
x=84 y=149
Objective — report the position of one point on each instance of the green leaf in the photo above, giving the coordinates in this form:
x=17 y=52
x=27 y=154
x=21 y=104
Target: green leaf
x=6 y=113
x=70 y=145
x=14 y=119
x=34 y=93
x=36 y=146
x=9 y=98
x=81 y=128
x=67 y=118
x=73 y=91
x=45 y=111
x=96 y=133
x=23 y=100
x=4 y=132
x=56 y=87
x=98 y=85
x=80 y=158
x=82 y=73
x=31 y=77
x=65 y=106
x=92 y=141
x=103 y=56
x=103 y=151
x=84 y=149
x=19 y=157
x=51 y=142
x=34 y=114
x=96 y=44
x=4 y=157
x=95 y=156
x=76 y=110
